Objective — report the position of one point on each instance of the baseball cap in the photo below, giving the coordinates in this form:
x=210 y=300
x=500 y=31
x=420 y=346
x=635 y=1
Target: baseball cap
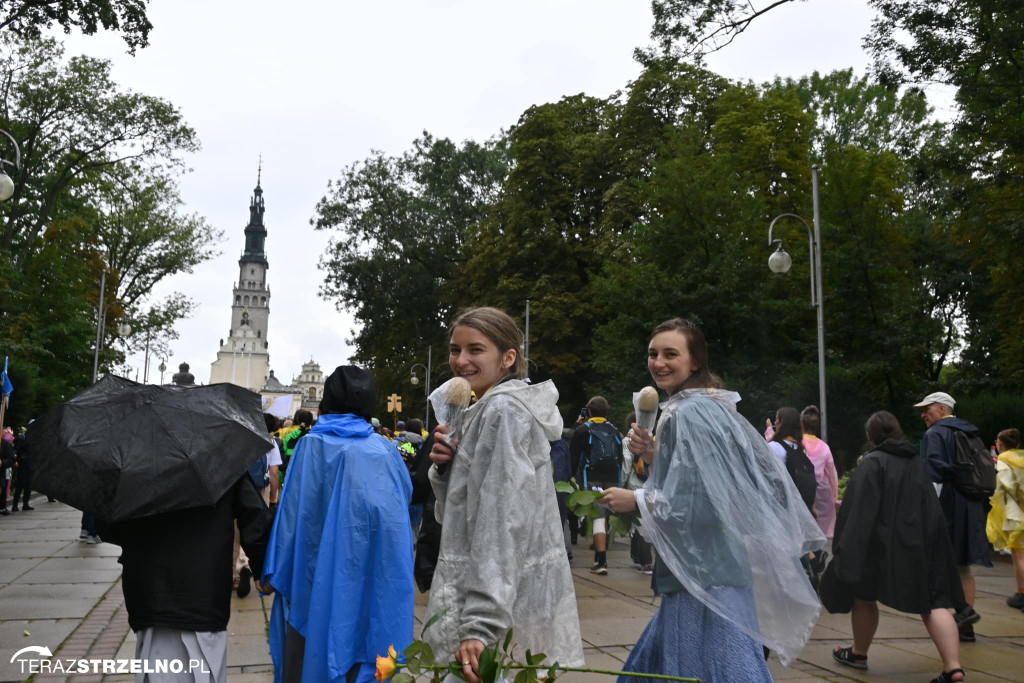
x=937 y=397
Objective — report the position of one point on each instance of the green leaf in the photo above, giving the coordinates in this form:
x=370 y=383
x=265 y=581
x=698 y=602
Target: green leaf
x=508 y=641
x=533 y=660
x=432 y=620
x=522 y=677
x=455 y=669
x=403 y=678
x=421 y=650
x=488 y=666
x=553 y=671
x=564 y=487
x=583 y=498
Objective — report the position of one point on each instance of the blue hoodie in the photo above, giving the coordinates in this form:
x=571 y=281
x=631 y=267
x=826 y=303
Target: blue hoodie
x=341 y=552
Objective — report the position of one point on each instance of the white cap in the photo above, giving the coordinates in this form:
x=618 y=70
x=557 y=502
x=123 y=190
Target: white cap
x=940 y=397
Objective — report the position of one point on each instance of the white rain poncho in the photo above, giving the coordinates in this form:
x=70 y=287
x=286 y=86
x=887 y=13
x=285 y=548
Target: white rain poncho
x=723 y=512
x=502 y=562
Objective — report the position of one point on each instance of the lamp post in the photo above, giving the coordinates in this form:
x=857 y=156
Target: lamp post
x=416 y=380
x=100 y=313
x=780 y=262
x=162 y=368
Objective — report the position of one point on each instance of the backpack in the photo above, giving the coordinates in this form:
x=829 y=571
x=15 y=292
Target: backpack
x=258 y=472
x=974 y=472
x=602 y=456
x=801 y=470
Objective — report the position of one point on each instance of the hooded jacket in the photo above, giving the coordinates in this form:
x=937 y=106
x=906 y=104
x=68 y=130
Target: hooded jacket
x=891 y=543
x=340 y=555
x=502 y=563
x=965 y=518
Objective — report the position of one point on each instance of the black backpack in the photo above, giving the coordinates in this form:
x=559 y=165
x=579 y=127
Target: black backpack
x=602 y=456
x=974 y=472
x=801 y=470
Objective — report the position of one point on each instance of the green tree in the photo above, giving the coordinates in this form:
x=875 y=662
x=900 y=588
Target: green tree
x=28 y=18
x=548 y=234
x=96 y=193
x=398 y=227
x=73 y=124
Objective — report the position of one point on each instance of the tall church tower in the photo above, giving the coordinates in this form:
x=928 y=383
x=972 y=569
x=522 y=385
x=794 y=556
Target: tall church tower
x=244 y=359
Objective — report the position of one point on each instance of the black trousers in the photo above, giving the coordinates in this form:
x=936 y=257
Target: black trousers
x=22 y=488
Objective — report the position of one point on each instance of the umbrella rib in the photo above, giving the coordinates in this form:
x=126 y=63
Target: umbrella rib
x=191 y=464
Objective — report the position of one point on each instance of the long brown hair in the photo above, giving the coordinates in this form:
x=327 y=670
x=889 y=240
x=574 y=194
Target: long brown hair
x=500 y=328
x=697 y=345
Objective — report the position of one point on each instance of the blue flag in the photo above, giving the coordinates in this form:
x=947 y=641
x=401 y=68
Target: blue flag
x=8 y=387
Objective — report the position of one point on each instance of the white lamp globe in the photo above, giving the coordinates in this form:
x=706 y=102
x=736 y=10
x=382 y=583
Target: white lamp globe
x=780 y=261
x=415 y=380
x=6 y=187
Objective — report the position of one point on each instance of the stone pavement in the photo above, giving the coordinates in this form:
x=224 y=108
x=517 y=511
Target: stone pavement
x=63 y=594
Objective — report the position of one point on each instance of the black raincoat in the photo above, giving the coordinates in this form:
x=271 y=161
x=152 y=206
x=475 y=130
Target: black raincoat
x=890 y=542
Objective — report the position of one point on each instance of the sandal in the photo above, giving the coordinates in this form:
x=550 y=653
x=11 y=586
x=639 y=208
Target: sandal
x=844 y=655
x=947 y=676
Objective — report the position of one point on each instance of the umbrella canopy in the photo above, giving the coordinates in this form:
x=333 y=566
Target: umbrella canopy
x=123 y=450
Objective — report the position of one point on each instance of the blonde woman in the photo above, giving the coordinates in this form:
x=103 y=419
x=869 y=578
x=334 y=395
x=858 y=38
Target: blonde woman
x=502 y=564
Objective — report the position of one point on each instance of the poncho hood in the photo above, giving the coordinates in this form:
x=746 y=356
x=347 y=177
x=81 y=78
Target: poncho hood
x=540 y=399
x=346 y=425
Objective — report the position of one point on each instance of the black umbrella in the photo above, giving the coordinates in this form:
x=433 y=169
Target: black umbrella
x=123 y=450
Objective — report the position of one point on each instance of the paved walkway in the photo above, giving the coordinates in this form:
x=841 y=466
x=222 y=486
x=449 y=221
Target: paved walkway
x=60 y=593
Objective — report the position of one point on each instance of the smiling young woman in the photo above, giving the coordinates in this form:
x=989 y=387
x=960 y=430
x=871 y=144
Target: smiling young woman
x=728 y=524
x=502 y=562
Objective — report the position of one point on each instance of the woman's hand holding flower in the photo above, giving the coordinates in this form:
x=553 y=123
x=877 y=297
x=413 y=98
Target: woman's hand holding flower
x=619 y=500
x=469 y=655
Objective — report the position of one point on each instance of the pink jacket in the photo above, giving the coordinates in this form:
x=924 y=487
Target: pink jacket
x=826 y=498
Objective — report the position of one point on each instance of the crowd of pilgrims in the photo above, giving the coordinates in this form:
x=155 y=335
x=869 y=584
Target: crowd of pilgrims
x=743 y=527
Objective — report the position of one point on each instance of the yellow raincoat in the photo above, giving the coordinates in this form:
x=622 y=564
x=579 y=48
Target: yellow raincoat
x=1006 y=519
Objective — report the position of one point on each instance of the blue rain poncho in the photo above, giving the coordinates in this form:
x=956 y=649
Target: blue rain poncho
x=724 y=514
x=341 y=552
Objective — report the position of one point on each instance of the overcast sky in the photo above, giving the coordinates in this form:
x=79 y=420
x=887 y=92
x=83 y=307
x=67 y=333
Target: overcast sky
x=314 y=86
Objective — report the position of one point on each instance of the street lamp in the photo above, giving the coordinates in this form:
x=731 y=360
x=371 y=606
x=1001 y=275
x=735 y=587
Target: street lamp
x=162 y=368
x=780 y=262
x=414 y=380
x=6 y=184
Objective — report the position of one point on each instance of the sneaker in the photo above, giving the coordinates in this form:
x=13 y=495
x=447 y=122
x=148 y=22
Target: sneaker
x=599 y=568
x=844 y=655
x=966 y=617
x=4 y=512
x=14 y=508
x=244 y=582
x=92 y=539
x=27 y=507
x=967 y=635
x=1016 y=601
x=638 y=567
x=83 y=535
x=647 y=569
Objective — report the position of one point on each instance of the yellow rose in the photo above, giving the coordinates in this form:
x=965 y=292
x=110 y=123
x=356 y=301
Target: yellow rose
x=386 y=665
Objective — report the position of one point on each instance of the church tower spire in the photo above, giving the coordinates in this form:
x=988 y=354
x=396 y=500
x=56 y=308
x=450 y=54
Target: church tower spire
x=244 y=358
x=256 y=232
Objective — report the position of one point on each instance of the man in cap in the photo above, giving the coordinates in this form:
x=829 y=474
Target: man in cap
x=965 y=518
x=341 y=552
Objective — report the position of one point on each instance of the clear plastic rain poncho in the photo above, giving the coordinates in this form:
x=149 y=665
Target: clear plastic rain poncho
x=724 y=513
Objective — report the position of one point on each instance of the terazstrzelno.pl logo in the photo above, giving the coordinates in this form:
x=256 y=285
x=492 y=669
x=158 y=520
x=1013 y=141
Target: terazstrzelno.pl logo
x=42 y=663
